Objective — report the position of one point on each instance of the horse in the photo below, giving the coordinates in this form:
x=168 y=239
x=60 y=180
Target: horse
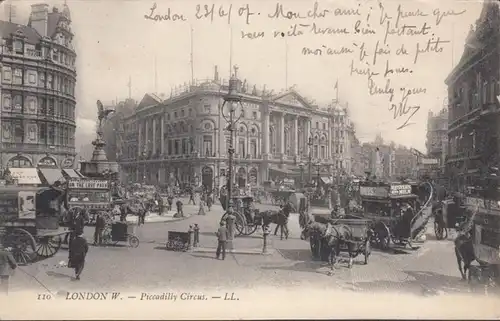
x=464 y=251
x=334 y=236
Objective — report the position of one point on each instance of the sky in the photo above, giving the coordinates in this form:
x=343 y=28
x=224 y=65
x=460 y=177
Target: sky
x=115 y=41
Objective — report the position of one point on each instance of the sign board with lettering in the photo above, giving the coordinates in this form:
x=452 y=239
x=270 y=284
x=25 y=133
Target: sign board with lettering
x=47 y=162
x=374 y=191
x=400 y=189
x=429 y=161
x=88 y=184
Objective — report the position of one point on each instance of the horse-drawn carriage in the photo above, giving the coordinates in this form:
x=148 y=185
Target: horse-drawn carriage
x=485 y=238
x=448 y=214
x=396 y=214
x=120 y=232
x=90 y=195
x=281 y=196
x=328 y=237
x=29 y=220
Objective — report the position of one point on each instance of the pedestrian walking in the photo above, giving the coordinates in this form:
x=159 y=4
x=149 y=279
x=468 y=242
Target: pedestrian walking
x=77 y=252
x=209 y=202
x=281 y=224
x=100 y=224
x=179 y=213
x=222 y=236
x=7 y=266
x=142 y=217
x=201 y=211
x=170 y=201
x=191 y=197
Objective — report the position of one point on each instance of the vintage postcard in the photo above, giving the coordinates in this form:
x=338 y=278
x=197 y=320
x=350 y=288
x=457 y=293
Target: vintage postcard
x=217 y=159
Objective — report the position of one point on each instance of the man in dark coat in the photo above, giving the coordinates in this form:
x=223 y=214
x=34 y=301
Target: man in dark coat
x=191 y=196
x=179 y=213
x=170 y=200
x=100 y=223
x=222 y=236
x=7 y=265
x=78 y=250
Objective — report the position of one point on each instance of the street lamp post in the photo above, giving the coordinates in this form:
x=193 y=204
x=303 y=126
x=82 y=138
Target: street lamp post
x=310 y=143
x=232 y=99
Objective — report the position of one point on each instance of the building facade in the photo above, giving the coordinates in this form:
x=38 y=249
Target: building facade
x=473 y=115
x=37 y=90
x=113 y=129
x=184 y=138
x=437 y=136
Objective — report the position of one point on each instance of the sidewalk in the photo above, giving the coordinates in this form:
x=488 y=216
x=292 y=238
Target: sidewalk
x=168 y=216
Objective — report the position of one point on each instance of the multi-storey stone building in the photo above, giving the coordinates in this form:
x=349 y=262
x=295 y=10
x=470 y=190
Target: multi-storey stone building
x=437 y=137
x=184 y=137
x=473 y=115
x=37 y=90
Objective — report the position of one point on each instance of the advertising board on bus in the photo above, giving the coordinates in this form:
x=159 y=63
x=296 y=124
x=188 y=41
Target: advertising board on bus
x=88 y=184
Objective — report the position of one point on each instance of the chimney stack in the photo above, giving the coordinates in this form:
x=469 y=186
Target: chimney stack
x=39 y=18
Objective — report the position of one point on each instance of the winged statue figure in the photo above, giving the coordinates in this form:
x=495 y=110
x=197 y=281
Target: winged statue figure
x=102 y=114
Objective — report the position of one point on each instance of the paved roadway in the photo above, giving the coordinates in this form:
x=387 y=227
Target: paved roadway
x=430 y=270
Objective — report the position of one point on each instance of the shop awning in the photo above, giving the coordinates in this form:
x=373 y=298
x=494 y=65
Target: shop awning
x=52 y=175
x=25 y=176
x=71 y=173
x=78 y=173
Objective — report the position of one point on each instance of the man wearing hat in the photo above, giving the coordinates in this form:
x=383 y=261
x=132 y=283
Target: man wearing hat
x=78 y=249
x=222 y=237
x=7 y=265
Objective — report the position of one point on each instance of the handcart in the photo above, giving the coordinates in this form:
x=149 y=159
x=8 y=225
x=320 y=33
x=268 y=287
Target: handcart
x=177 y=241
x=120 y=232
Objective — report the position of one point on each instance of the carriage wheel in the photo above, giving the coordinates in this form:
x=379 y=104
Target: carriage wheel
x=251 y=229
x=133 y=241
x=23 y=246
x=439 y=231
x=367 y=251
x=48 y=246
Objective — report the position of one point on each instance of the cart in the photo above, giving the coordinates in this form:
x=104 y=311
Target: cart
x=29 y=221
x=120 y=232
x=360 y=236
x=485 y=238
x=448 y=214
x=383 y=203
x=248 y=219
x=177 y=241
x=91 y=195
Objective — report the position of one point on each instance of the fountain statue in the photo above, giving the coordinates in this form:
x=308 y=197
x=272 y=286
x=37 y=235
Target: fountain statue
x=99 y=166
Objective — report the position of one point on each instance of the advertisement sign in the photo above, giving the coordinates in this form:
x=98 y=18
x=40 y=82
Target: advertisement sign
x=88 y=184
x=373 y=191
x=27 y=205
x=400 y=189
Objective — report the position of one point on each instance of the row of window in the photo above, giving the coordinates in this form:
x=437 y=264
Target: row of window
x=18 y=103
x=57 y=55
x=40 y=79
x=16 y=131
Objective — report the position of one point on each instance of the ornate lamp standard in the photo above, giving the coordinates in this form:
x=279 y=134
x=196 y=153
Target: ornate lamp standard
x=310 y=143
x=232 y=99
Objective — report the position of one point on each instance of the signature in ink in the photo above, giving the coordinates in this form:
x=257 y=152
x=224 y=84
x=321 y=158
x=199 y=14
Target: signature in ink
x=403 y=109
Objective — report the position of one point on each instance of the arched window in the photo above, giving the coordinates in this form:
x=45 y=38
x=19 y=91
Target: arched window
x=287 y=142
x=19 y=162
